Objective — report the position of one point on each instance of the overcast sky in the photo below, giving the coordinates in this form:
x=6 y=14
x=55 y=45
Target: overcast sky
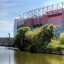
x=9 y=9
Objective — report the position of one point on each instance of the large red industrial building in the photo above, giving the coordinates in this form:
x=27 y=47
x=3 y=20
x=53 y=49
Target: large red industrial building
x=52 y=14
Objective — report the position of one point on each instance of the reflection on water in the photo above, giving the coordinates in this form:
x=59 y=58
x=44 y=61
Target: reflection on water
x=37 y=58
x=17 y=57
x=6 y=56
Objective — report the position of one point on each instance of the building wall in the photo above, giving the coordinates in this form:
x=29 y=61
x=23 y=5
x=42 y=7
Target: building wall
x=57 y=19
x=16 y=21
x=15 y=26
x=21 y=22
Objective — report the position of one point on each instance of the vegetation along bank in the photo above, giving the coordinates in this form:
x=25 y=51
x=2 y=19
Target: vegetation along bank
x=39 y=40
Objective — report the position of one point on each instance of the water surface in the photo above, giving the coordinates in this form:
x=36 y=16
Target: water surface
x=16 y=57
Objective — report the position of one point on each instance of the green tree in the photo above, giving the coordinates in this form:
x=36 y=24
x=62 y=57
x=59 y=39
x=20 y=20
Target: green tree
x=47 y=32
x=61 y=37
x=19 y=39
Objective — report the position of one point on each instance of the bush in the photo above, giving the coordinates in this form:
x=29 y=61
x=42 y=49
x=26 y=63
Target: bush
x=46 y=48
x=19 y=39
x=47 y=32
x=43 y=47
x=32 y=36
x=61 y=37
x=22 y=32
x=56 y=46
x=27 y=39
x=34 y=47
x=6 y=44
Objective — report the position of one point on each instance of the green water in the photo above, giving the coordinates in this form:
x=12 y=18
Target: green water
x=37 y=58
x=17 y=57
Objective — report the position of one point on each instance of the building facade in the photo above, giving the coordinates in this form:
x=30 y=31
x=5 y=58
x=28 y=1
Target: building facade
x=53 y=14
x=16 y=21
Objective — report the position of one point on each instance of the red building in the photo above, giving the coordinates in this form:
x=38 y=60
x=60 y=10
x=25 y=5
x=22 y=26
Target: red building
x=53 y=14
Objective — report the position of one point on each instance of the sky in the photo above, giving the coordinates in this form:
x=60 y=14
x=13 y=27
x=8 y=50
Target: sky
x=9 y=9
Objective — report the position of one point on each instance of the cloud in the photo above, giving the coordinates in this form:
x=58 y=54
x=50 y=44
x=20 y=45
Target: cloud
x=2 y=14
x=8 y=4
x=6 y=26
x=3 y=1
x=7 y=7
x=49 y=2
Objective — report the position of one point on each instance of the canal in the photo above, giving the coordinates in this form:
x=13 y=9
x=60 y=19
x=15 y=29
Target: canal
x=16 y=57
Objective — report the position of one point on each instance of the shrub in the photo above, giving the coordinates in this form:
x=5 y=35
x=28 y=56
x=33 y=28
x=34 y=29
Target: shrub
x=34 y=47
x=22 y=32
x=19 y=39
x=47 y=32
x=61 y=37
x=29 y=36
x=43 y=47
x=6 y=44
x=32 y=36
x=55 y=46
x=27 y=39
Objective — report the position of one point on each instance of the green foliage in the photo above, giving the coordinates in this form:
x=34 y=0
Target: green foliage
x=32 y=36
x=34 y=40
x=54 y=43
x=40 y=35
x=22 y=32
x=34 y=47
x=43 y=48
x=61 y=37
x=29 y=36
x=47 y=32
x=56 y=46
x=19 y=39
x=6 y=44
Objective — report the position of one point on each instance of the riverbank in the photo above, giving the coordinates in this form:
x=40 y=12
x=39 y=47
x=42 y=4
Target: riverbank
x=54 y=47
x=55 y=53
x=12 y=48
x=46 y=48
x=41 y=51
x=39 y=40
